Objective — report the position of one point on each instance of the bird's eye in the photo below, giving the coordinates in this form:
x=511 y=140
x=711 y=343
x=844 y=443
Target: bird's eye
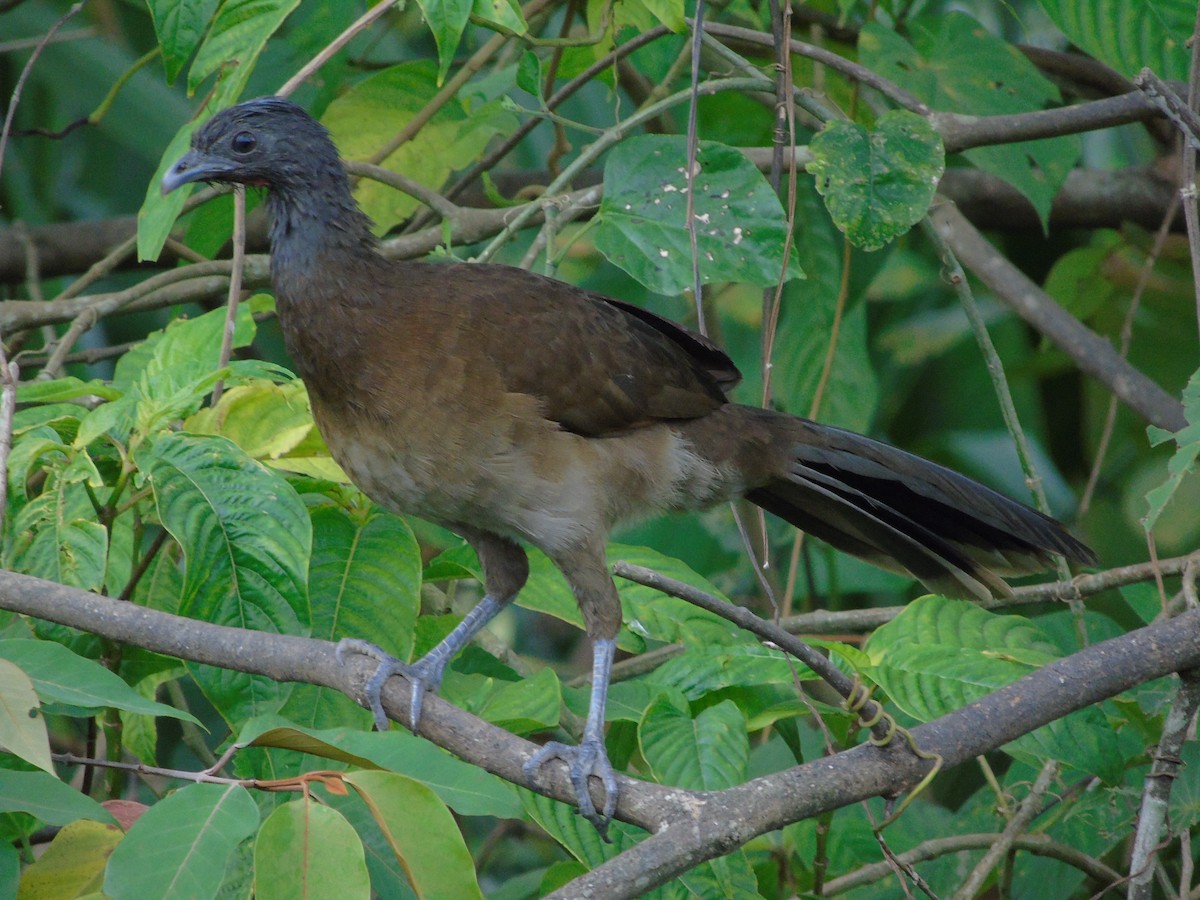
x=243 y=142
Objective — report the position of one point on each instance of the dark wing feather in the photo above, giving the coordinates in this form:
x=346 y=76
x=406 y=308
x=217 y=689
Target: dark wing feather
x=597 y=366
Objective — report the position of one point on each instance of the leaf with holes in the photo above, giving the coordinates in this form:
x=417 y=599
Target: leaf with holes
x=877 y=184
x=741 y=229
x=954 y=64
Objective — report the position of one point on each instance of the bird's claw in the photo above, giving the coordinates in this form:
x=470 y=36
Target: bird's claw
x=422 y=676
x=583 y=761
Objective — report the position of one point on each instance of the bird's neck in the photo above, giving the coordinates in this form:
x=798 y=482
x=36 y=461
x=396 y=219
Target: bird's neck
x=310 y=227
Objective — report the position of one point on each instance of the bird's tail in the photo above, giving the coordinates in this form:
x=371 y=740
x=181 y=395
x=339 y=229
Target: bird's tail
x=900 y=511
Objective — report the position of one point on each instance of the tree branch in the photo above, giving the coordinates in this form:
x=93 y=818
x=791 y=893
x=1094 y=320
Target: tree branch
x=689 y=827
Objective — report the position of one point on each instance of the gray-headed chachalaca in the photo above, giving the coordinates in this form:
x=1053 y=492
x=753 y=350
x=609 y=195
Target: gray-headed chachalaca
x=516 y=409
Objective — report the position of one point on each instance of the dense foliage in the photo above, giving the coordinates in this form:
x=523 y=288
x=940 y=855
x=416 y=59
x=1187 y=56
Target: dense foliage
x=836 y=194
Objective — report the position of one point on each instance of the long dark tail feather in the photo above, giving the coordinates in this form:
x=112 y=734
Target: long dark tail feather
x=900 y=511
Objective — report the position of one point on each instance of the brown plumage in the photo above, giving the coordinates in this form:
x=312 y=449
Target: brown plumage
x=517 y=409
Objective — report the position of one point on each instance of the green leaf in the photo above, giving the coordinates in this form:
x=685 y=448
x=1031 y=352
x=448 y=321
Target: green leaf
x=158 y=213
x=59 y=389
x=1183 y=462
x=179 y=27
x=708 y=753
x=265 y=419
x=305 y=849
x=525 y=706
x=246 y=539
x=73 y=865
x=563 y=823
x=421 y=832
x=701 y=669
x=366 y=117
x=180 y=846
x=46 y=798
x=940 y=655
x=59 y=539
x=60 y=676
x=446 y=19
x=741 y=228
x=529 y=73
x=877 y=184
x=1130 y=34
x=365 y=578
x=505 y=13
x=955 y=65
x=22 y=725
x=467 y=789
x=238 y=35
x=234 y=41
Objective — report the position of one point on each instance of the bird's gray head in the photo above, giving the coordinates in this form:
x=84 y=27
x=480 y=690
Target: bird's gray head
x=268 y=142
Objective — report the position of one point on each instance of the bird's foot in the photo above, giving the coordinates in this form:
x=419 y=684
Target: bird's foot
x=588 y=759
x=425 y=675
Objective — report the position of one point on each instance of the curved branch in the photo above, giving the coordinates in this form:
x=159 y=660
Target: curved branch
x=1038 y=844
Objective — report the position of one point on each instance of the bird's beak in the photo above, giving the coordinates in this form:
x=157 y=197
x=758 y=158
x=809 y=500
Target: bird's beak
x=193 y=166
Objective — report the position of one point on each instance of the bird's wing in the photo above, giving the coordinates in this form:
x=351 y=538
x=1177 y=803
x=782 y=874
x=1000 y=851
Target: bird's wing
x=597 y=366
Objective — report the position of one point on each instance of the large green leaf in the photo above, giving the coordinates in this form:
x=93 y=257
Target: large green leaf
x=47 y=798
x=237 y=37
x=447 y=19
x=707 y=753
x=741 y=228
x=22 y=724
x=306 y=849
x=366 y=117
x=365 y=577
x=60 y=676
x=940 y=655
x=1130 y=34
x=181 y=845
x=955 y=65
x=702 y=669
x=877 y=184
x=421 y=832
x=58 y=537
x=179 y=28
x=246 y=539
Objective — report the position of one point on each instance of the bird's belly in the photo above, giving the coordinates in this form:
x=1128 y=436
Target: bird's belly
x=522 y=477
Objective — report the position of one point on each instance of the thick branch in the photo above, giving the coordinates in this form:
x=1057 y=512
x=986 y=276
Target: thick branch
x=730 y=818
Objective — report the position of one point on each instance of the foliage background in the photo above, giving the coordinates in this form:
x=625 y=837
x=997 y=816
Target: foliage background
x=128 y=476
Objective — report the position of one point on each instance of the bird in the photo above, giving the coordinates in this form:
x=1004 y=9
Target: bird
x=518 y=410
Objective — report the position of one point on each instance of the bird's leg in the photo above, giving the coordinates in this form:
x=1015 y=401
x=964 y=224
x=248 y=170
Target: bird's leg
x=590 y=757
x=426 y=673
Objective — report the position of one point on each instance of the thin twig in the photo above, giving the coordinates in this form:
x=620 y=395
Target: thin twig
x=1090 y=352
x=466 y=72
x=9 y=376
x=693 y=150
x=235 y=285
x=1008 y=410
x=1135 y=302
x=1025 y=814
x=767 y=631
x=359 y=25
x=15 y=99
x=1038 y=844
